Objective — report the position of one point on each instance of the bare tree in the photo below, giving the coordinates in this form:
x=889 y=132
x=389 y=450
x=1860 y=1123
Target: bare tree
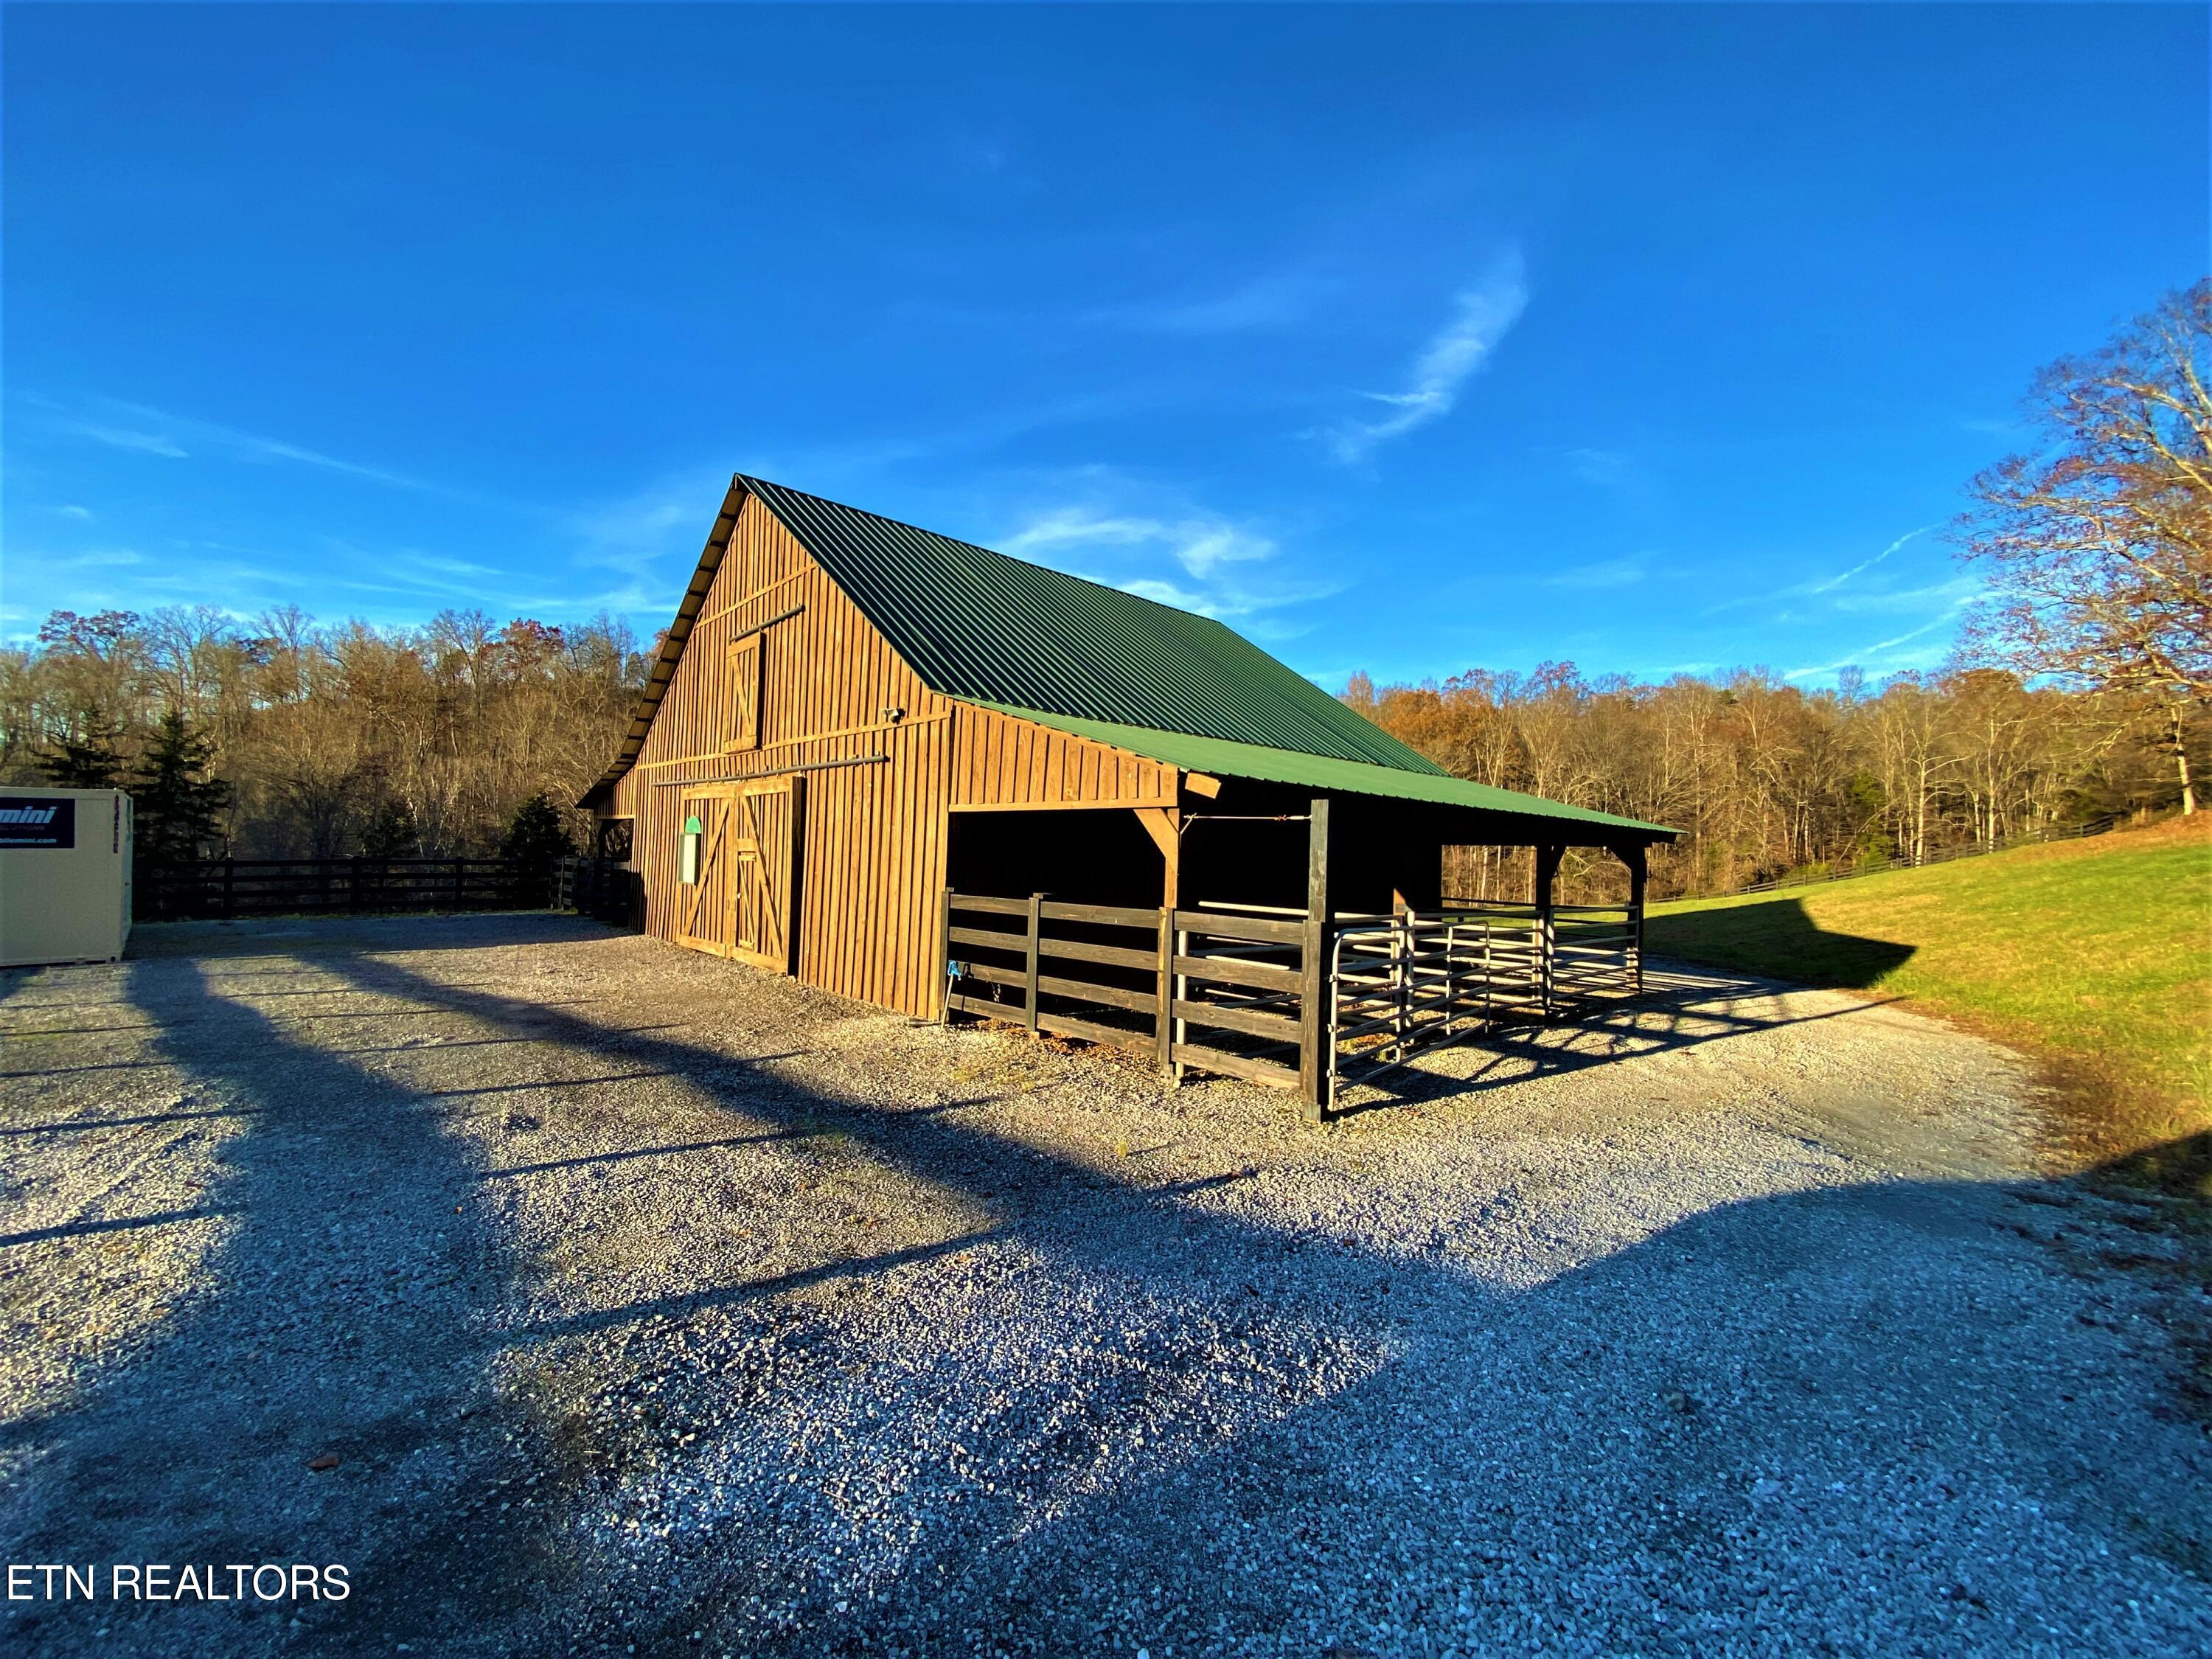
x=2100 y=543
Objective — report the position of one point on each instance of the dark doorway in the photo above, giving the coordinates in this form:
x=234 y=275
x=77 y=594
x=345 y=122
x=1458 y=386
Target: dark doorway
x=1081 y=856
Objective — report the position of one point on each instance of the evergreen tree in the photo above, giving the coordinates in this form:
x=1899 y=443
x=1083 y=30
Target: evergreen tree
x=536 y=837
x=180 y=806
x=391 y=833
x=85 y=762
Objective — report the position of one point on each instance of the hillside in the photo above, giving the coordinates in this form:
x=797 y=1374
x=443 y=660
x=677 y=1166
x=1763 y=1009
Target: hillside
x=2095 y=956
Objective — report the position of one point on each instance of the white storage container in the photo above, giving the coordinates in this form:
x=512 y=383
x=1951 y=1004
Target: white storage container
x=64 y=875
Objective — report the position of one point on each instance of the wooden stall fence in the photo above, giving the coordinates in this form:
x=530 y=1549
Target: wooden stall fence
x=1216 y=991
x=1230 y=992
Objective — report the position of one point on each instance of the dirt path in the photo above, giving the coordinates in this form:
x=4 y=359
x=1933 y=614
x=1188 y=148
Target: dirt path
x=648 y=1304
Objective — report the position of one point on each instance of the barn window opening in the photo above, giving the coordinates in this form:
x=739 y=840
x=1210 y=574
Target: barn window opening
x=745 y=693
x=692 y=830
x=615 y=840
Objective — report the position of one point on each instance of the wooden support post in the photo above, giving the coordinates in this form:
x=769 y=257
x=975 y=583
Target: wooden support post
x=230 y=887
x=1635 y=859
x=1313 y=968
x=1402 y=1024
x=1037 y=936
x=1164 y=826
x=945 y=956
x=461 y=880
x=1181 y=995
x=1547 y=940
x=1164 y=1022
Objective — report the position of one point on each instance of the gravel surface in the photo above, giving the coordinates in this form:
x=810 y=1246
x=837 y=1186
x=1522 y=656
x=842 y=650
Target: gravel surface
x=647 y=1303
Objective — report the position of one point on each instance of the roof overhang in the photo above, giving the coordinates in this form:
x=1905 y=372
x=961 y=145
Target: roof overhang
x=1519 y=819
x=672 y=647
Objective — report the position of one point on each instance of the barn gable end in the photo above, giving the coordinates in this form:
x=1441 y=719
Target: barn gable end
x=874 y=761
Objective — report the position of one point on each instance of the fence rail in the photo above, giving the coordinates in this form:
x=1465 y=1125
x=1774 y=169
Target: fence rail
x=1250 y=995
x=1220 y=992
x=224 y=888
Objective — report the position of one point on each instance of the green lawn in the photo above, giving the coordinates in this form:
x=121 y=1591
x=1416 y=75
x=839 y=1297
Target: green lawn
x=2094 y=955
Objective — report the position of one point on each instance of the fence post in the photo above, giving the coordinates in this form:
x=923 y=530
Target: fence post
x=1402 y=1022
x=353 y=883
x=1037 y=935
x=1547 y=874
x=1313 y=969
x=945 y=956
x=459 y=882
x=230 y=887
x=1637 y=859
x=1164 y=1025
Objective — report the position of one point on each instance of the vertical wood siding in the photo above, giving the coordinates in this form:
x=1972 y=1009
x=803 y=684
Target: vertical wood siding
x=998 y=760
x=871 y=848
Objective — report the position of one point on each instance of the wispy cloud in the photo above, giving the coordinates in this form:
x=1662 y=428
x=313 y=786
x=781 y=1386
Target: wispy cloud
x=49 y=564
x=1905 y=601
x=1606 y=467
x=71 y=510
x=1606 y=573
x=649 y=538
x=1481 y=316
x=117 y=437
x=1201 y=545
x=1275 y=301
x=1834 y=582
x=1887 y=654
x=1189 y=556
x=144 y=430
x=1812 y=589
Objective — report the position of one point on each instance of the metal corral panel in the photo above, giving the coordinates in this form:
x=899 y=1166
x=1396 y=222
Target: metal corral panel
x=64 y=875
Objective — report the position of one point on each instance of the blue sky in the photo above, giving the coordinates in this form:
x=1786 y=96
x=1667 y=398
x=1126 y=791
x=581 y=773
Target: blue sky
x=1415 y=340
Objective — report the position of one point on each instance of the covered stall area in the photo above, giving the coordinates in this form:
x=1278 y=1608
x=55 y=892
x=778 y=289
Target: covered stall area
x=1293 y=938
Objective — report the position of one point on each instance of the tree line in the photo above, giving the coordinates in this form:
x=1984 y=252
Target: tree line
x=1767 y=779
x=281 y=738
x=2077 y=693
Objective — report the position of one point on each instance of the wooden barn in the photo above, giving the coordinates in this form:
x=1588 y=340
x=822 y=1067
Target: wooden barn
x=925 y=776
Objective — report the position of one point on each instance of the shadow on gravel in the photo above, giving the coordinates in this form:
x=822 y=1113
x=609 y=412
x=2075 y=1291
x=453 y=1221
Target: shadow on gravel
x=313 y=935
x=1769 y=1422
x=342 y=1312
x=1719 y=1413
x=1678 y=1009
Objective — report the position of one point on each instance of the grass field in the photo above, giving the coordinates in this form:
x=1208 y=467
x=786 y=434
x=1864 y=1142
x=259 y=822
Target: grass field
x=2094 y=955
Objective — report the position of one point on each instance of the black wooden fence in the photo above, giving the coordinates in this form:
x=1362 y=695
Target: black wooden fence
x=604 y=888
x=1819 y=874
x=224 y=888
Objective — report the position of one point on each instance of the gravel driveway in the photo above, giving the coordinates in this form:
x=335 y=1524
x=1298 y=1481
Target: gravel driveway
x=649 y=1304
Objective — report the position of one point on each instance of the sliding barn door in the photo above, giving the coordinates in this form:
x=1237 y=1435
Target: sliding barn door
x=764 y=871
x=703 y=901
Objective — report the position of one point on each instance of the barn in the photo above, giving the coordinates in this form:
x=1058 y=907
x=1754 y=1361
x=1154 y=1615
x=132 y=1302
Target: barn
x=928 y=776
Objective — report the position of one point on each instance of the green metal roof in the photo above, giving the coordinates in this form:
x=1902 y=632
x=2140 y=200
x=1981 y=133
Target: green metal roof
x=1324 y=772
x=984 y=628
